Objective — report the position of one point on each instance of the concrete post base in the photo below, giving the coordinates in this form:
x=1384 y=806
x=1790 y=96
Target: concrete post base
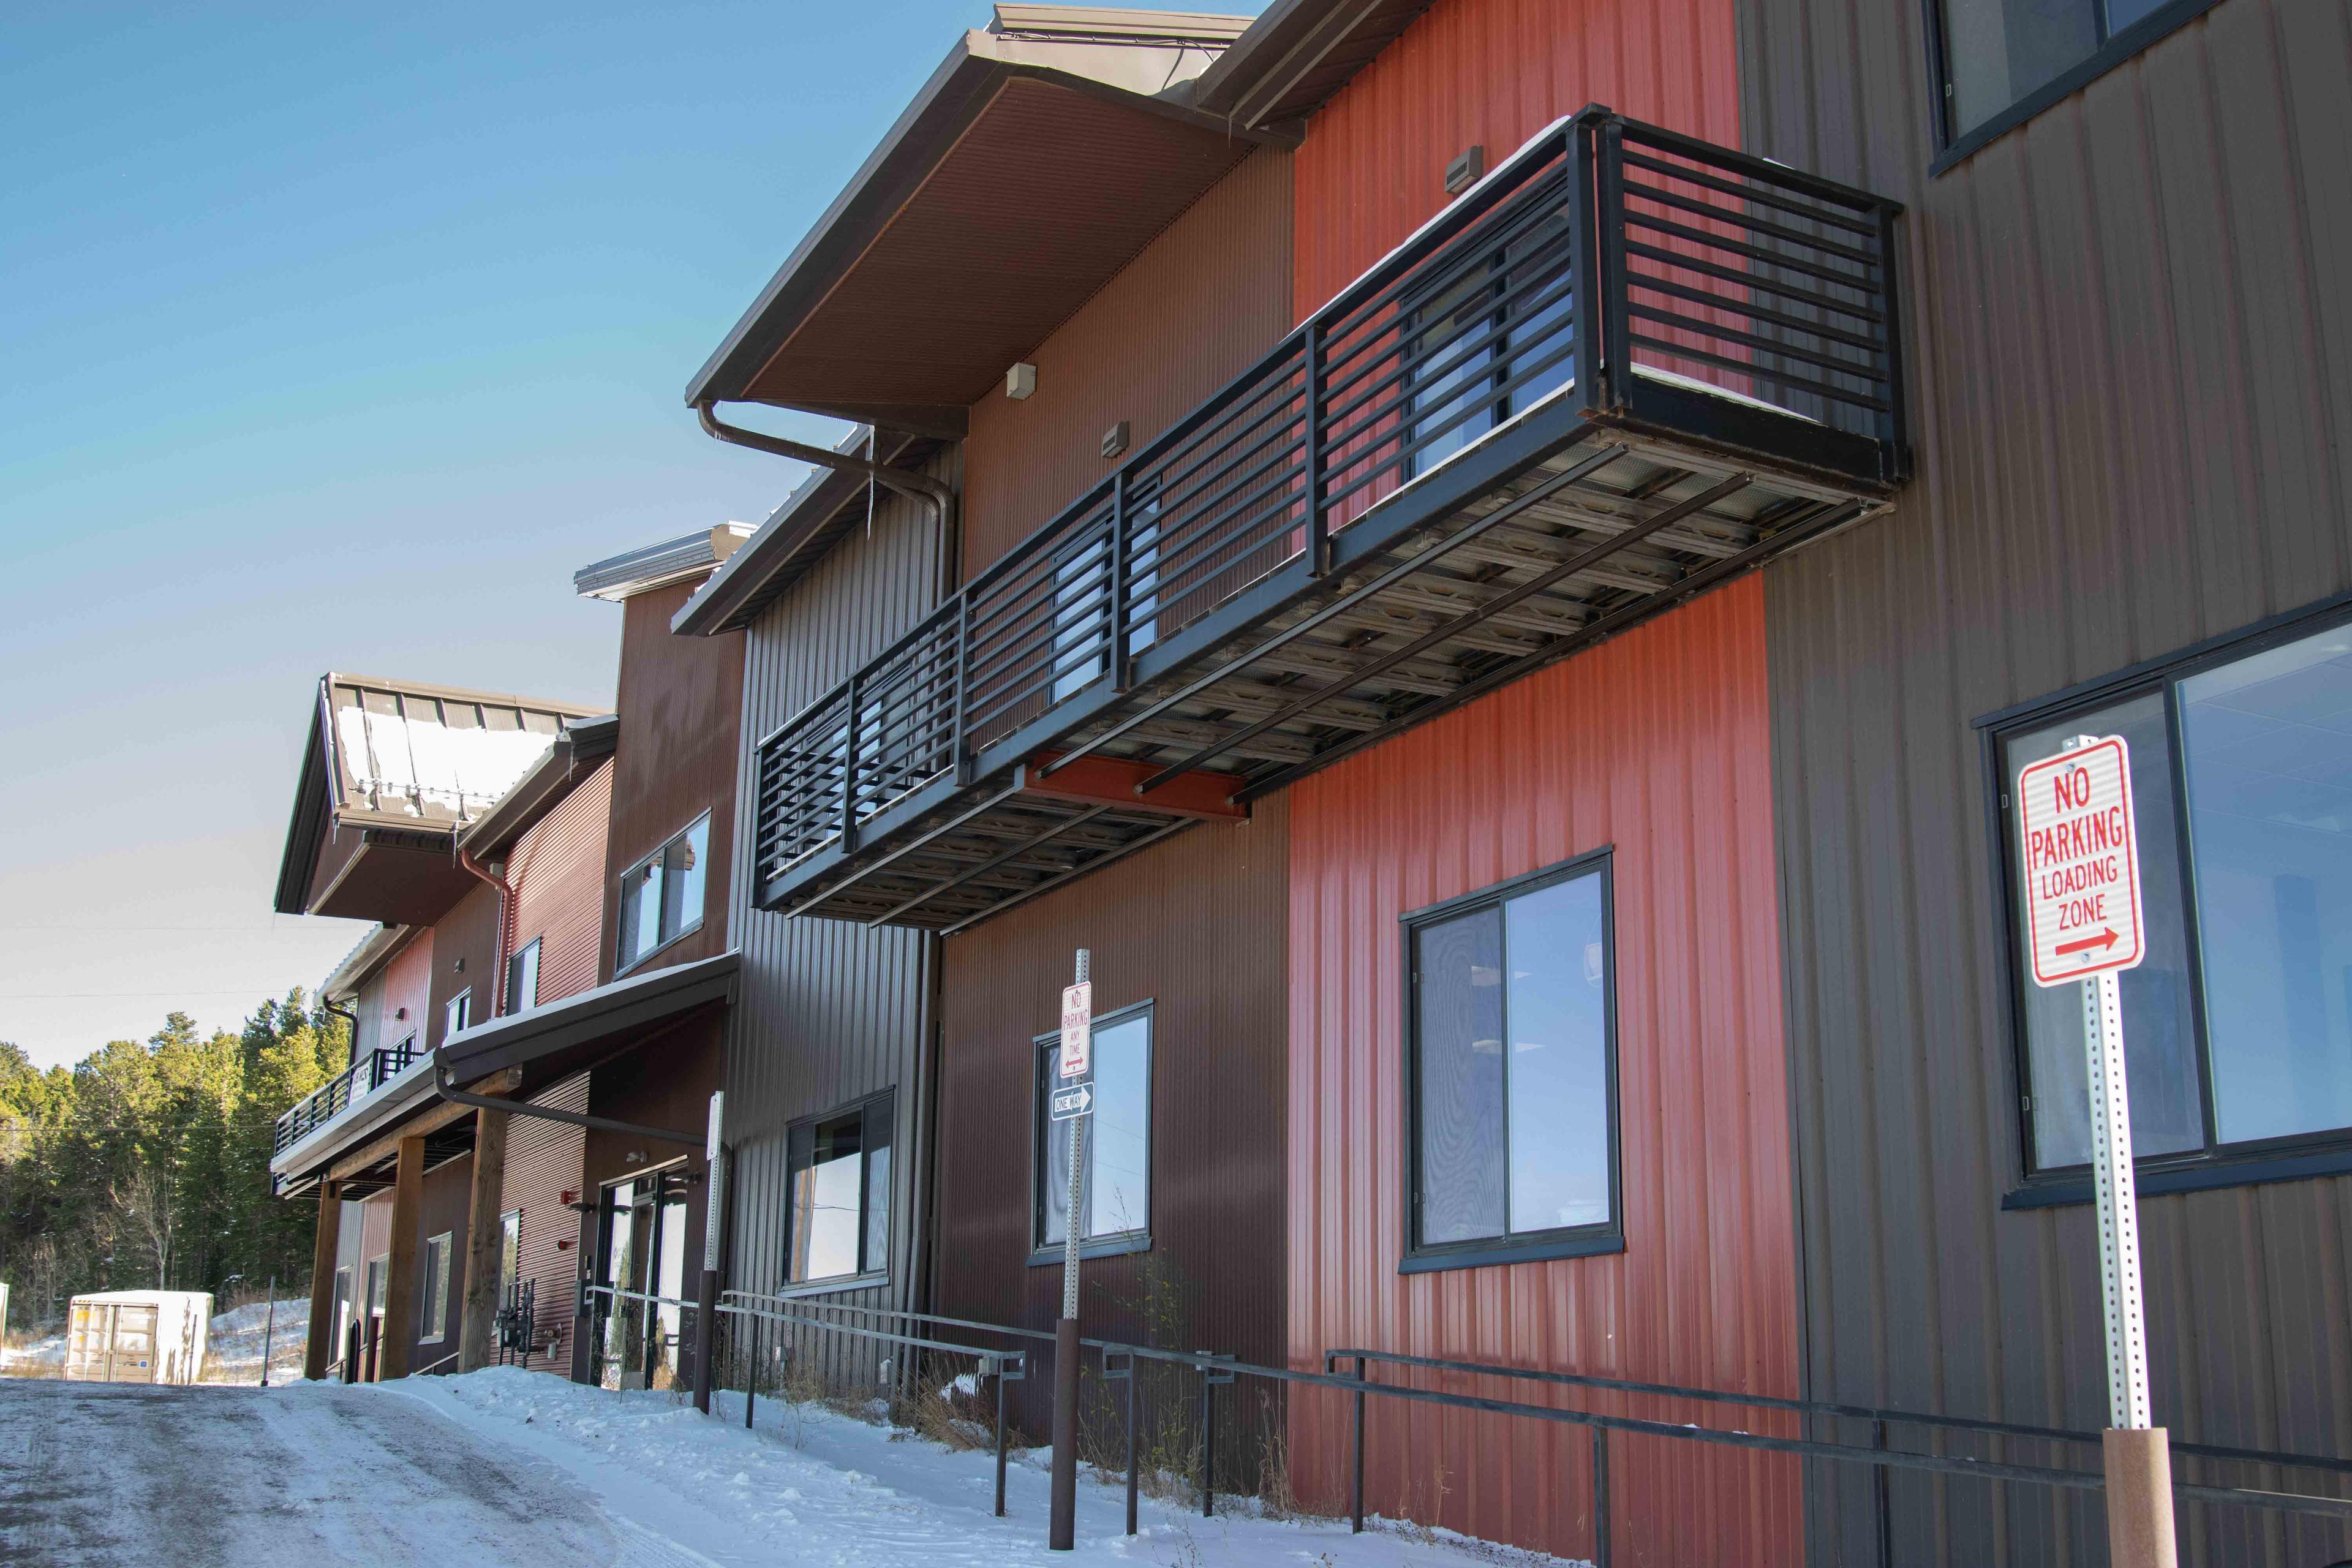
x=2139 y=1498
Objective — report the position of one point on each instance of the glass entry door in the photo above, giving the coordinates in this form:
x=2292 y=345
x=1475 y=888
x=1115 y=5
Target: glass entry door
x=642 y=1251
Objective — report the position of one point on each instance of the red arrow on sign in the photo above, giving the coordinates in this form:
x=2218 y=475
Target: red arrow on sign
x=2084 y=944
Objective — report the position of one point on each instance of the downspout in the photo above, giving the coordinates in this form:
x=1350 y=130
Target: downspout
x=506 y=909
x=350 y=1021
x=920 y=487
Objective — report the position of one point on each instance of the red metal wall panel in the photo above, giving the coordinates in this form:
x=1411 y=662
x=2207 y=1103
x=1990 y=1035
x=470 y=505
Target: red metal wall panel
x=407 y=989
x=544 y=1161
x=1658 y=744
x=557 y=870
x=1492 y=73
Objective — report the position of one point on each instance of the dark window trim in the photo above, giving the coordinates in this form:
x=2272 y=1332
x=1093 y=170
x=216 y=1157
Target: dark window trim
x=2122 y=46
x=1119 y=1243
x=620 y=900
x=863 y=1104
x=515 y=1004
x=1529 y=1246
x=2217 y=1164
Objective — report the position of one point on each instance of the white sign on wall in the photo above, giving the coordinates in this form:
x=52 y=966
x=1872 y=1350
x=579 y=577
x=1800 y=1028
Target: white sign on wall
x=2081 y=850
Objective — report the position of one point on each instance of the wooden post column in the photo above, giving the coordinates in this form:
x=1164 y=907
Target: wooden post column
x=400 y=1277
x=324 y=1242
x=485 y=1243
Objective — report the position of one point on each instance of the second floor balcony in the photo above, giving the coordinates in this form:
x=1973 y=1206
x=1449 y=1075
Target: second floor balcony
x=326 y=1103
x=1622 y=368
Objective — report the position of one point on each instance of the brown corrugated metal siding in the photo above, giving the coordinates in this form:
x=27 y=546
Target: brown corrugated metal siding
x=826 y=1012
x=1197 y=308
x=1195 y=925
x=557 y=870
x=543 y=1162
x=2133 y=370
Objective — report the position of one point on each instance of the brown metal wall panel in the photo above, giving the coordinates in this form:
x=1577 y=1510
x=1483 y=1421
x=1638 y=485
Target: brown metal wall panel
x=827 y=1012
x=468 y=934
x=447 y=1193
x=557 y=870
x=1655 y=743
x=406 y=986
x=543 y=1162
x=1195 y=309
x=2132 y=389
x=1492 y=73
x=1195 y=925
x=681 y=704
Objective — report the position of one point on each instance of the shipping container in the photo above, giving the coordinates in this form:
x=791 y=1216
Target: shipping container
x=138 y=1336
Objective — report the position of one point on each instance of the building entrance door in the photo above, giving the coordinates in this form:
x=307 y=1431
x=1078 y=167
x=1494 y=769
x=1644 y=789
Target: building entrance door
x=641 y=1253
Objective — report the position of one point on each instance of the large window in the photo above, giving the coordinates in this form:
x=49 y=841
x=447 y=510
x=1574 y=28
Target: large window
x=1115 y=1202
x=2238 y=1024
x=839 y=1182
x=2003 y=61
x=661 y=896
x=1511 y=1068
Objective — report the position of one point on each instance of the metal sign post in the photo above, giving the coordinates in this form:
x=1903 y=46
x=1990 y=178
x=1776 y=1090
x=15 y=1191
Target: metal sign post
x=1072 y=1101
x=714 y=1214
x=2084 y=926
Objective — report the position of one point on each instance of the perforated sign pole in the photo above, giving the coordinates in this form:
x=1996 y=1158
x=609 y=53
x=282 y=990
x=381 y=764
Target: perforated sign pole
x=2085 y=927
x=1075 y=1065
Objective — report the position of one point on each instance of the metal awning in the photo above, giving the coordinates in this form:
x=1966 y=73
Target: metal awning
x=550 y=1042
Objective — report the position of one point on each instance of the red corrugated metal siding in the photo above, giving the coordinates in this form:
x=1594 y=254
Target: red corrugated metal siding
x=558 y=872
x=543 y=1159
x=407 y=984
x=1493 y=73
x=1657 y=743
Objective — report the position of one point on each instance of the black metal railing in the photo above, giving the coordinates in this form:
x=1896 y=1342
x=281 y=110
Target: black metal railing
x=1643 y=275
x=771 y=1322
x=323 y=1104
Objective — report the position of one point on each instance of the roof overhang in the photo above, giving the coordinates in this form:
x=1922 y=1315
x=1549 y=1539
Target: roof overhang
x=392 y=771
x=374 y=950
x=576 y=752
x=1032 y=165
x=1297 y=57
x=679 y=560
x=551 y=1042
x=828 y=504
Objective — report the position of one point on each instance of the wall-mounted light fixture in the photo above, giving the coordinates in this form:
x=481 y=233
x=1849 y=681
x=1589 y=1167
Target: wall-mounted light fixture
x=1020 y=381
x=460 y=966
x=1468 y=167
x=1114 y=440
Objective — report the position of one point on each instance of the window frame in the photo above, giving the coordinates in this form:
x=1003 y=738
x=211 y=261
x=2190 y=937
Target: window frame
x=1955 y=147
x=463 y=1000
x=863 y=1106
x=534 y=947
x=436 y=1292
x=2294 y=1157
x=620 y=899
x=1118 y=1244
x=1596 y=1240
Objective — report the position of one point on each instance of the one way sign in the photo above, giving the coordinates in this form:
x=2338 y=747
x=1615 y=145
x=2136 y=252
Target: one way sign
x=1078 y=1099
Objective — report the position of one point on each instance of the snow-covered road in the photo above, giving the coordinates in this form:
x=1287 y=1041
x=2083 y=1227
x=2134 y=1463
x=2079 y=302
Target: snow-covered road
x=126 y=1476
x=513 y=1467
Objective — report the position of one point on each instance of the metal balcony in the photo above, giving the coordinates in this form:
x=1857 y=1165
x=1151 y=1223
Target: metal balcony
x=330 y=1099
x=1623 y=367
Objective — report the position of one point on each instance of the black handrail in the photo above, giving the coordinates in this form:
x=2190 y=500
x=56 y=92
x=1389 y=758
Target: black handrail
x=330 y=1099
x=1601 y=241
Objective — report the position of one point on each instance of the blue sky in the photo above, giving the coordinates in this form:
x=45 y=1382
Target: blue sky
x=337 y=338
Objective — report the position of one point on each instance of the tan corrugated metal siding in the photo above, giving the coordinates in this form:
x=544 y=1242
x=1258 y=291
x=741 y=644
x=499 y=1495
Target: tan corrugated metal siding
x=1197 y=308
x=557 y=870
x=826 y=1013
x=2132 y=354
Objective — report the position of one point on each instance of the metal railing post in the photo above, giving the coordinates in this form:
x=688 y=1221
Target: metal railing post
x=1356 y=1507
x=960 y=755
x=751 y=1373
x=1617 y=355
x=1208 y=1445
x=1000 y=1439
x=1601 y=1497
x=1115 y=558
x=849 y=763
x=1885 y=1522
x=1895 y=423
x=1585 y=260
x=1133 y=1376
x=1318 y=529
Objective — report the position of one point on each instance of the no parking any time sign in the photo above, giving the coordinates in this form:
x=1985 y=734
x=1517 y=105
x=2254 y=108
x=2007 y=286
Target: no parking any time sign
x=2081 y=862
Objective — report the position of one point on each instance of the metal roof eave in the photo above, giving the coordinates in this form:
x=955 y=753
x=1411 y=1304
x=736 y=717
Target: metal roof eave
x=954 y=97
x=591 y=1018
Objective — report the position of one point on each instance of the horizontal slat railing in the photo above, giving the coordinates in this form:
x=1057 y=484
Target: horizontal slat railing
x=1602 y=250
x=335 y=1097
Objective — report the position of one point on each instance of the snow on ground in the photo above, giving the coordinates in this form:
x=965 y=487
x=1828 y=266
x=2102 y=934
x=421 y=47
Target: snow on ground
x=813 y=1487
